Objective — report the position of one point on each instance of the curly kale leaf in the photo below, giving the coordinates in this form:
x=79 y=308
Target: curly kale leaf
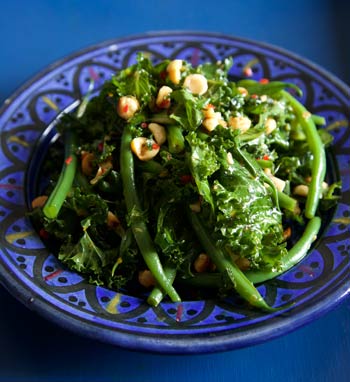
x=137 y=80
x=166 y=235
x=247 y=220
x=188 y=111
x=85 y=256
x=216 y=72
x=203 y=164
x=110 y=265
x=174 y=238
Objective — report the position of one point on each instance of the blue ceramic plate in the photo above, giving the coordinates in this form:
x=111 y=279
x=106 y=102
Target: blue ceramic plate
x=35 y=277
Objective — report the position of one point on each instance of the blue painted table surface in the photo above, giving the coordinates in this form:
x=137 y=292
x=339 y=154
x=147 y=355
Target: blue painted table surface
x=36 y=33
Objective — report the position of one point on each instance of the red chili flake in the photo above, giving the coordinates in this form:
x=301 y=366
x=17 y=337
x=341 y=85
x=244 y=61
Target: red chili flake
x=254 y=96
x=43 y=234
x=53 y=274
x=11 y=187
x=307 y=269
x=144 y=125
x=155 y=146
x=100 y=146
x=93 y=74
x=266 y=157
x=185 y=179
x=68 y=160
x=163 y=75
x=125 y=108
x=264 y=81
x=248 y=72
x=165 y=104
x=179 y=312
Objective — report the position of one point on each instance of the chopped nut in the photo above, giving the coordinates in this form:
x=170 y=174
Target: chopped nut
x=270 y=125
x=243 y=263
x=87 y=163
x=39 y=201
x=174 y=71
x=196 y=83
x=279 y=183
x=287 y=233
x=158 y=132
x=146 y=278
x=127 y=106
x=145 y=149
x=301 y=190
x=202 y=263
x=210 y=123
x=209 y=111
x=102 y=169
x=163 y=97
x=243 y=91
x=229 y=158
x=242 y=123
x=214 y=120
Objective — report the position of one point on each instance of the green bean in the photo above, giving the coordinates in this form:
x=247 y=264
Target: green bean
x=224 y=264
x=318 y=169
x=204 y=280
x=318 y=120
x=162 y=118
x=294 y=255
x=287 y=202
x=57 y=197
x=150 y=166
x=176 y=140
x=264 y=163
x=157 y=294
x=137 y=219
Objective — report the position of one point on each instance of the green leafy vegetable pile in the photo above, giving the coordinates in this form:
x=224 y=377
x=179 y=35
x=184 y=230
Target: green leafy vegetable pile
x=174 y=175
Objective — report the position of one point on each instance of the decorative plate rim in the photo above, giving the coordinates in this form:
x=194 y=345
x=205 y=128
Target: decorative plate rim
x=171 y=345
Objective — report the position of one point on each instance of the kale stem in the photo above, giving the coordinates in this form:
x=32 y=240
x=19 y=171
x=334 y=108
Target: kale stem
x=294 y=255
x=226 y=266
x=137 y=219
x=254 y=168
x=318 y=169
x=57 y=197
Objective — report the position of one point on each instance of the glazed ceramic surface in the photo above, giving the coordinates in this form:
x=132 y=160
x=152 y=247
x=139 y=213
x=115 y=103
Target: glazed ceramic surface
x=38 y=279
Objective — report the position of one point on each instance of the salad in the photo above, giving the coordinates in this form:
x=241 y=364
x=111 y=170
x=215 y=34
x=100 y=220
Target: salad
x=176 y=178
